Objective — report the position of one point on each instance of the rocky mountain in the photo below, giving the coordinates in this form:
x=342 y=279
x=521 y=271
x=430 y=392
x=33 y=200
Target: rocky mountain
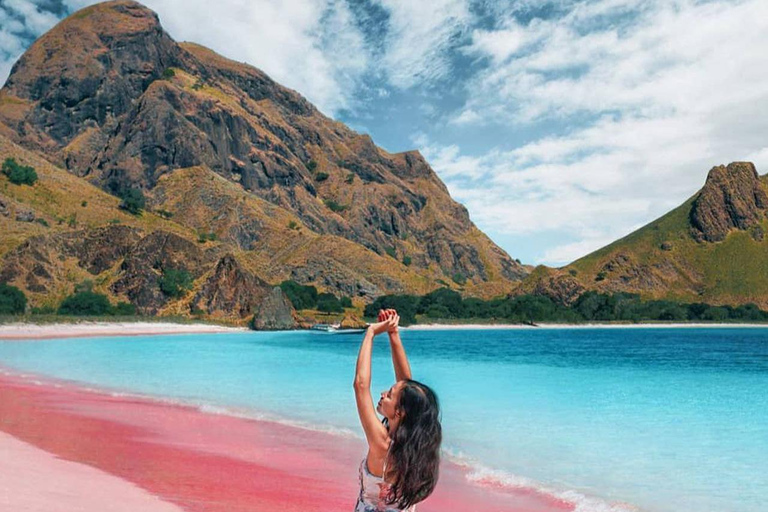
x=218 y=148
x=710 y=249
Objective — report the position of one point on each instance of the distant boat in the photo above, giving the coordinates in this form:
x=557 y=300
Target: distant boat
x=335 y=329
x=326 y=327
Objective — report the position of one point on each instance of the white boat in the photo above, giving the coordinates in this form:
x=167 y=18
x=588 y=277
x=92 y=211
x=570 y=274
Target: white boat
x=326 y=327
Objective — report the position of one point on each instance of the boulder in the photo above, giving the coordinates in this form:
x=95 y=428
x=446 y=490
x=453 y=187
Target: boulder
x=275 y=312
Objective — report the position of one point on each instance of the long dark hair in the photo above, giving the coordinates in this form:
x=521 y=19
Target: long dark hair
x=414 y=455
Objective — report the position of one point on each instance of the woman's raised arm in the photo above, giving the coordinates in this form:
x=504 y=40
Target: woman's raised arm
x=375 y=433
x=399 y=359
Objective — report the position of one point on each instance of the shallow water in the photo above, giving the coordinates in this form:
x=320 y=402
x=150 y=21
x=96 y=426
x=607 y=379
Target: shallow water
x=663 y=419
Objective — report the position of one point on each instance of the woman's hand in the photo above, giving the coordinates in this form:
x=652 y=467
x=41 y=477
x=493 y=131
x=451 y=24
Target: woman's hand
x=386 y=325
x=387 y=314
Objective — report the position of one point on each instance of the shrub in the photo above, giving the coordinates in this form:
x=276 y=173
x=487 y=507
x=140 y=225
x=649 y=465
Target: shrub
x=124 y=309
x=84 y=204
x=346 y=302
x=85 y=303
x=391 y=251
x=350 y=178
x=600 y=276
x=168 y=73
x=334 y=206
x=204 y=237
x=133 y=201
x=407 y=261
x=329 y=303
x=311 y=166
x=12 y=300
x=164 y=213
x=19 y=174
x=321 y=176
x=72 y=220
x=302 y=297
x=42 y=221
x=459 y=278
x=292 y=224
x=175 y=282
x=44 y=310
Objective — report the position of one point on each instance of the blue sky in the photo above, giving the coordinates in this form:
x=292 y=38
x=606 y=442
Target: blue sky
x=560 y=125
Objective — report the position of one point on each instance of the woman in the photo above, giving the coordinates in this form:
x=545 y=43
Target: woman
x=401 y=468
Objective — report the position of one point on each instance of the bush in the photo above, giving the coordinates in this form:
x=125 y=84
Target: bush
x=168 y=73
x=407 y=261
x=85 y=303
x=346 y=302
x=133 y=201
x=41 y=221
x=329 y=303
x=350 y=178
x=459 y=279
x=391 y=251
x=302 y=297
x=124 y=309
x=292 y=224
x=321 y=176
x=44 y=310
x=175 y=283
x=311 y=166
x=334 y=206
x=204 y=237
x=19 y=174
x=12 y=300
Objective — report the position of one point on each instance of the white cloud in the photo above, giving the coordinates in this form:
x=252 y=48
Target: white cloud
x=652 y=100
x=419 y=37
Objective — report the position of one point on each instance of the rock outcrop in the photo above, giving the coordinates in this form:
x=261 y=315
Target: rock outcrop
x=275 y=312
x=732 y=198
x=230 y=290
x=559 y=286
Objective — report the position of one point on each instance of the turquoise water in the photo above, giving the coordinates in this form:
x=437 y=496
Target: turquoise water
x=668 y=420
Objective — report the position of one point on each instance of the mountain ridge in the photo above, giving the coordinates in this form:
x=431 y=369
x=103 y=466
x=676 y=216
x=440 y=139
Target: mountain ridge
x=108 y=96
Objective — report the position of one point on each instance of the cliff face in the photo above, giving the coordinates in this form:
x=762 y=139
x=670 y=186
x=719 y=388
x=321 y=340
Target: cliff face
x=710 y=249
x=109 y=96
x=732 y=198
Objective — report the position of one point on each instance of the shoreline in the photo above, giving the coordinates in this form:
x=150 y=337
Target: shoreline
x=675 y=325
x=202 y=461
x=29 y=331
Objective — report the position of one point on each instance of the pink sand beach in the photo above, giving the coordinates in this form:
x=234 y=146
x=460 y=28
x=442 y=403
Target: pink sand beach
x=67 y=448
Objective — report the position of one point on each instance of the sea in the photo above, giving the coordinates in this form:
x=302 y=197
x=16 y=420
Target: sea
x=611 y=419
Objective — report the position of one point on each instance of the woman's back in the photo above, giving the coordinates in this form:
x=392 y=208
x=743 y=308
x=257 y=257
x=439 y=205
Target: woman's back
x=373 y=492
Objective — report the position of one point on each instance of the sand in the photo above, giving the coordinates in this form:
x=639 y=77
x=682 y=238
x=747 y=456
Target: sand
x=25 y=331
x=152 y=455
x=37 y=481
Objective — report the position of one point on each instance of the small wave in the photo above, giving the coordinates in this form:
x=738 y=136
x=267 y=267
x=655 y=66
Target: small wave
x=274 y=418
x=479 y=474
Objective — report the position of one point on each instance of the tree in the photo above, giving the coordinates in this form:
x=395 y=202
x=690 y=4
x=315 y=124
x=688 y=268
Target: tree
x=133 y=201
x=12 y=300
x=19 y=174
x=85 y=303
x=329 y=303
x=175 y=282
x=302 y=297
